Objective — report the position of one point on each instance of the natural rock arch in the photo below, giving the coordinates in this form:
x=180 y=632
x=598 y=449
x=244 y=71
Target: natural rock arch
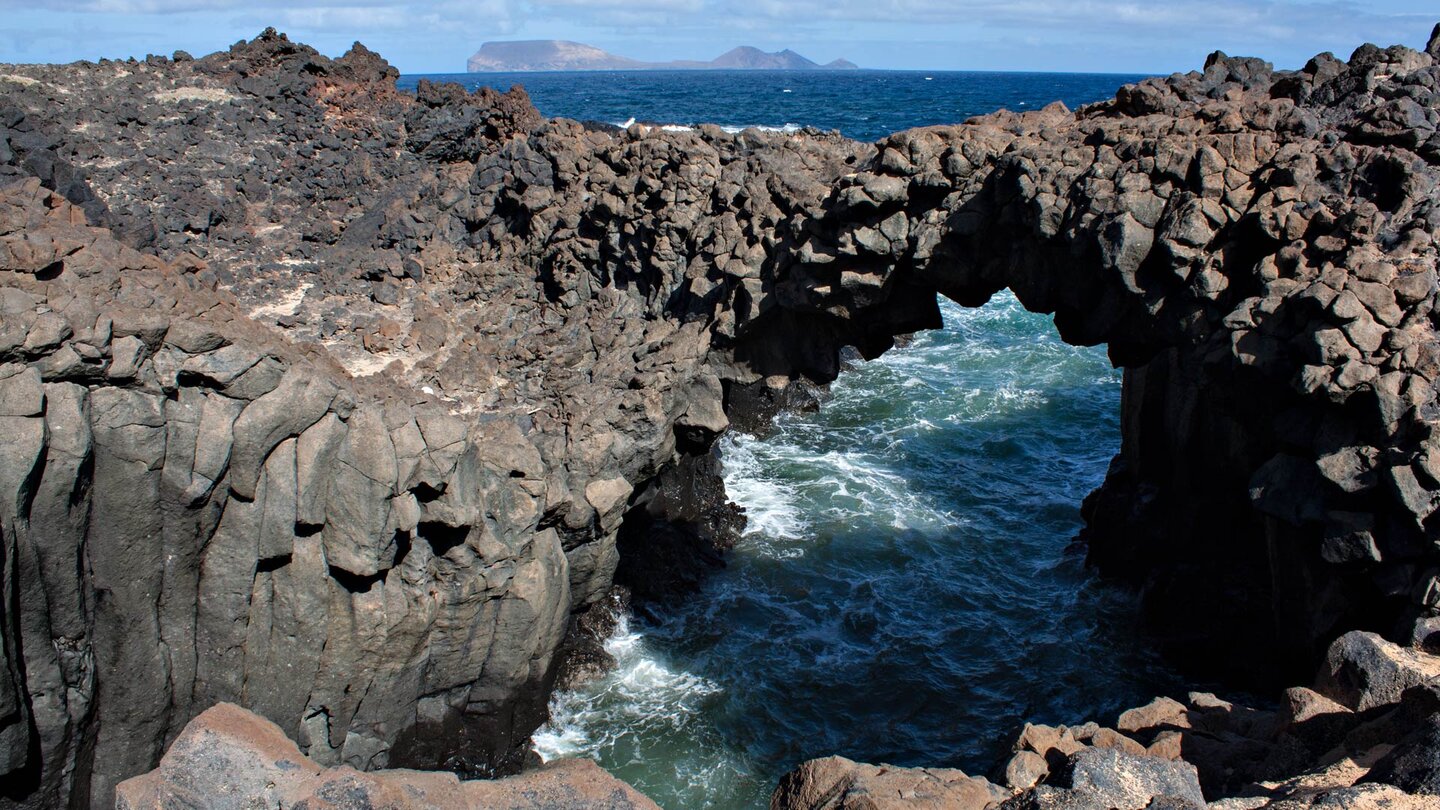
x=1264 y=267
x=200 y=504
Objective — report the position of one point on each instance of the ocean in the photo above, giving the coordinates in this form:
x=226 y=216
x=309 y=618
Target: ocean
x=864 y=104
x=906 y=591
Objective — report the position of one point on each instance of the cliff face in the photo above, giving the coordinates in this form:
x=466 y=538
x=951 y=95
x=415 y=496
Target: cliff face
x=331 y=401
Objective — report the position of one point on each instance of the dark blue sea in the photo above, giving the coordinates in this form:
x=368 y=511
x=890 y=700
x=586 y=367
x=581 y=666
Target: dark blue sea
x=906 y=591
x=863 y=104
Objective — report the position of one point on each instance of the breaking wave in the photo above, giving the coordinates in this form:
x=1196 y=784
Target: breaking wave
x=788 y=129
x=902 y=593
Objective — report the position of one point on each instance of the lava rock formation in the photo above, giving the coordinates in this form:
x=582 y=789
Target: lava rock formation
x=331 y=401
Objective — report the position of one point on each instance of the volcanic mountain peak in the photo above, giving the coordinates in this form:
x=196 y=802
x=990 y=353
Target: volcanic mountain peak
x=554 y=54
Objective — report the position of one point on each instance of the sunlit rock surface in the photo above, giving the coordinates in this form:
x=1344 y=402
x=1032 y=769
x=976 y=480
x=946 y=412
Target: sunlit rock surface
x=330 y=401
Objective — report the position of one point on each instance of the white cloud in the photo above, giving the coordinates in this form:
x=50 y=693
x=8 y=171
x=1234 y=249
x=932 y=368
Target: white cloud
x=1088 y=34
x=181 y=6
x=1272 y=18
x=331 y=18
x=624 y=5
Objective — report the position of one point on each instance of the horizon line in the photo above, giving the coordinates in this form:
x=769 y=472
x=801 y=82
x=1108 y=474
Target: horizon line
x=848 y=71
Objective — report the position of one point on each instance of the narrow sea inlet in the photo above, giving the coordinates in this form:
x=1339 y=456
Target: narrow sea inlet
x=904 y=592
x=333 y=415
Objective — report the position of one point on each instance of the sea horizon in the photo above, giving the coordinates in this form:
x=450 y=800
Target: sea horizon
x=864 y=105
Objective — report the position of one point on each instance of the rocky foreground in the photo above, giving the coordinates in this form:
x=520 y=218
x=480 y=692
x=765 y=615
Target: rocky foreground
x=1366 y=737
x=347 y=406
x=229 y=757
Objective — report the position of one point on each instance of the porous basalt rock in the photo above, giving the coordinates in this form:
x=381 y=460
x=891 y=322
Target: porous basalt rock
x=332 y=401
x=1199 y=751
x=836 y=783
x=231 y=758
x=583 y=657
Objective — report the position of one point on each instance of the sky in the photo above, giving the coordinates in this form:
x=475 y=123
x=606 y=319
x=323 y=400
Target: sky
x=436 y=36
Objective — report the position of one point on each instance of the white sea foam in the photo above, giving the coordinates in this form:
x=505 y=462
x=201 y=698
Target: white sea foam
x=840 y=486
x=772 y=507
x=976 y=405
x=642 y=690
x=866 y=478
x=788 y=129
x=733 y=129
x=861 y=486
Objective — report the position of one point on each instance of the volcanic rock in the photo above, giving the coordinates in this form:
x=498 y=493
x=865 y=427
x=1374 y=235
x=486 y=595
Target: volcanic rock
x=228 y=758
x=1414 y=764
x=367 y=502
x=1112 y=778
x=836 y=783
x=1363 y=670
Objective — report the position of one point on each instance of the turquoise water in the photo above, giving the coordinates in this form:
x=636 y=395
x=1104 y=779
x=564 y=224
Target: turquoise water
x=905 y=592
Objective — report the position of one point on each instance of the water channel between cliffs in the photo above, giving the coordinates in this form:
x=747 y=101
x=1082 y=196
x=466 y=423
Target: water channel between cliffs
x=904 y=592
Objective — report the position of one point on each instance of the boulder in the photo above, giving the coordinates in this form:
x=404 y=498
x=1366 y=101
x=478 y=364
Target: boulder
x=1025 y=770
x=1129 y=782
x=1302 y=704
x=1159 y=714
x=837 y=783
x=1110 y=779
x=1356 y=797
x=228 y=758
x=1363 y=670
x=1414 y=764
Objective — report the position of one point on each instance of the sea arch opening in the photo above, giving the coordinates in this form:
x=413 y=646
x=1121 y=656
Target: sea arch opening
x=1214 y=507
x=905 y=590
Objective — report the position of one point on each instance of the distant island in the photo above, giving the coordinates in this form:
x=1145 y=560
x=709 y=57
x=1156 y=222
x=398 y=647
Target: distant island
x=555 y=54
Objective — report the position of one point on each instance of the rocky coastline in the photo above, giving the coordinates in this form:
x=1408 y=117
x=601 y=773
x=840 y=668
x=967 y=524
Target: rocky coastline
x=1365 y=736
x=345 y=405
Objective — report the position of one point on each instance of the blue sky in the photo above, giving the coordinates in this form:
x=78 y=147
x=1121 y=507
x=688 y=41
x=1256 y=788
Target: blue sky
x=428 y=36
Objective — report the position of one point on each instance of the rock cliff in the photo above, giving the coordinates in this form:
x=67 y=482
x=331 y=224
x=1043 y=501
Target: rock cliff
x=332 y=401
